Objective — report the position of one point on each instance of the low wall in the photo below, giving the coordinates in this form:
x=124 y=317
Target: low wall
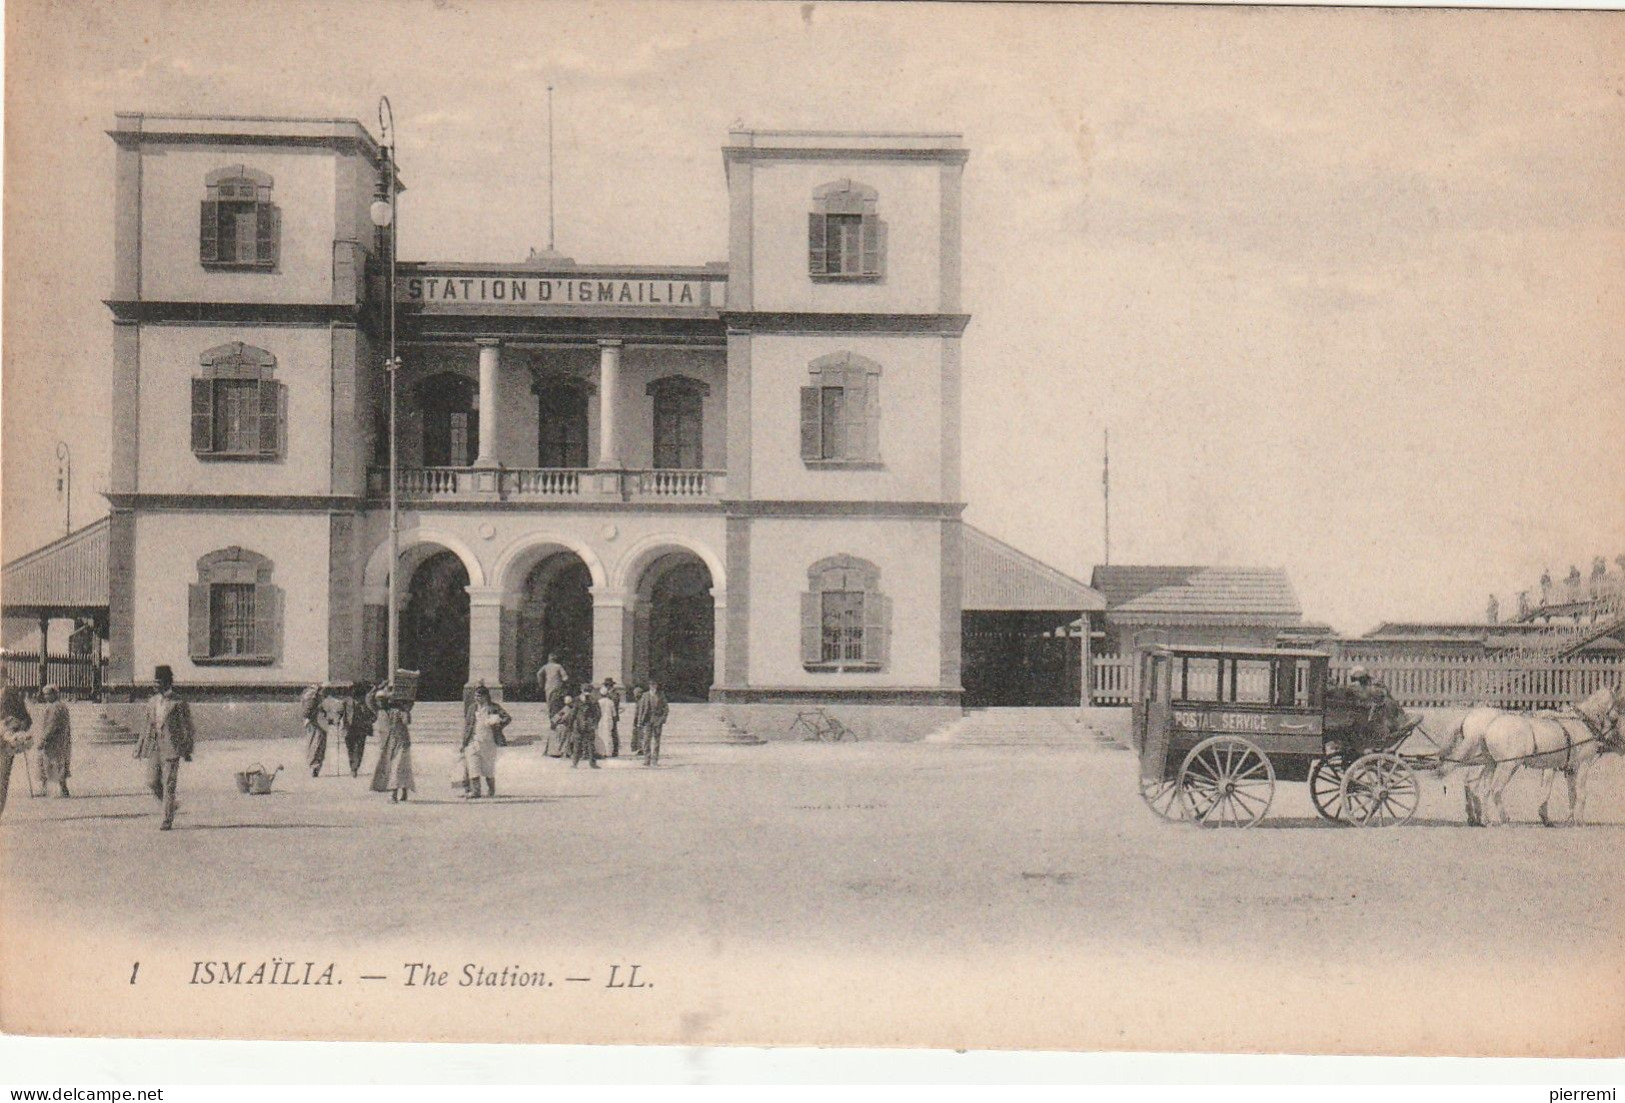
x=212 y=719
x=880 y=723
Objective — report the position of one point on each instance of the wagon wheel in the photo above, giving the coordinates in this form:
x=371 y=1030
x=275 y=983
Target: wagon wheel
x=1380 y=790
x=1326 y=788
x=1226 y=782
x=1161 y=795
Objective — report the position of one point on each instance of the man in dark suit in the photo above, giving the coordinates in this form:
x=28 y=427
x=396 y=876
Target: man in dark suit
x=650 y=719
x=167 y=740
x=584 y=728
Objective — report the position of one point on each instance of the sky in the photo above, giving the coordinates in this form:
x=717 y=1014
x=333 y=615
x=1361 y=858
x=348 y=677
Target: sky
x=1345 y=285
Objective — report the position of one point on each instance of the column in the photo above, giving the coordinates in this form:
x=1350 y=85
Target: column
x=375 y=636
x=490 y=368
x=719 y=632
x=609 y=385
x=44 y=650
x=1086 y=676
x=485 y=638
x=608 y=635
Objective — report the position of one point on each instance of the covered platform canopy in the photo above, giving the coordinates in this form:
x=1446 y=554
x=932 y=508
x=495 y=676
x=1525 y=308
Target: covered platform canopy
x=1018 y=641
x=64 y=580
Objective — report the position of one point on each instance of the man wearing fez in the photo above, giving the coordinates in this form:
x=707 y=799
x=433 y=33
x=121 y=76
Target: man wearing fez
x=167 y=740
x=14 y=725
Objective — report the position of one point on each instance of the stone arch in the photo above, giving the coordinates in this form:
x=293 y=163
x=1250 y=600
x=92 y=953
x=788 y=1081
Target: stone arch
x=641 y=553
x=522 y=554
x=421 y=543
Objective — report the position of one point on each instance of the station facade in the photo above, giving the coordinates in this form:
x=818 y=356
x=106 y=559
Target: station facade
x=741 y=479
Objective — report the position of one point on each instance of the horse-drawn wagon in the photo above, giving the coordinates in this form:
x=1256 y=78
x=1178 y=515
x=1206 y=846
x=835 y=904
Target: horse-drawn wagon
x=1218 y=728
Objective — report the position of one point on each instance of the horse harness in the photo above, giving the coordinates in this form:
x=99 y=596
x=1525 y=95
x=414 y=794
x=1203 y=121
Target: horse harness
x=1599 y=734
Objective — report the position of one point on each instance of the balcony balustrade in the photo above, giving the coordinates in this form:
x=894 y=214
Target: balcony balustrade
x=420 y=485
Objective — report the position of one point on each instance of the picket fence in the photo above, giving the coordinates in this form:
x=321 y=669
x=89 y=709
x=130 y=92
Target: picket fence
x=1432 y=681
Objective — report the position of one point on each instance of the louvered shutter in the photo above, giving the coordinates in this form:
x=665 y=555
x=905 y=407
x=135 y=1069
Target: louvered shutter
x=265 y=234
x=815 y=243
x=202 y=416
x=197 y=620
x=812 y=628
x=270 y=427
x=855 y=410
x=812 y=431
x=871 y=419
x=876 y=628
x=870 y=232
x=267 y=620
x=209 y=233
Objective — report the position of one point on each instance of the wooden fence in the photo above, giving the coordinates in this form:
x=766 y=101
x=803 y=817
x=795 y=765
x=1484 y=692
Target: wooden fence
x=1432 y=681
x=79 y=677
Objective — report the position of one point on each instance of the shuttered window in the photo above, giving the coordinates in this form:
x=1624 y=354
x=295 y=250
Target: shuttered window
x=846 y=240
x=845 y=619
x=234 y=610
x=238 y=409
x=239 y=226
x=679 y=422
x=840 y=412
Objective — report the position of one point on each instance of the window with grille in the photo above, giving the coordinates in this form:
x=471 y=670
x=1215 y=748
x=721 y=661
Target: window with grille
x=239 y=227
x=846 y=240
x=845 y=619
x=843 y=627
x=234 y=611
x=231 y=619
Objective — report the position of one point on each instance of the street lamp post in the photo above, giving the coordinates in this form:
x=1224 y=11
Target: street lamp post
x=383 y=216
x=64 y=483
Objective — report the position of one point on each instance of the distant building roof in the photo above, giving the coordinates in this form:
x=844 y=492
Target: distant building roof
x=1239 y=595
x=68 y=575
x=999 y=578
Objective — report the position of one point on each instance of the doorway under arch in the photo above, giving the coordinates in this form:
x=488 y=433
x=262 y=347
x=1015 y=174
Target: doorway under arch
x=674 y=633
x=434 y=627
x=555 y=618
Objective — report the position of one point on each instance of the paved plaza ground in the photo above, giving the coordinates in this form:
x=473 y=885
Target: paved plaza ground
x=874 y=893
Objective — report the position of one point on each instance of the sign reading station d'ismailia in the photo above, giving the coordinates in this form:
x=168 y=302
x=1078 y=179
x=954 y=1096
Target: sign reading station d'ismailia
x=444 y=288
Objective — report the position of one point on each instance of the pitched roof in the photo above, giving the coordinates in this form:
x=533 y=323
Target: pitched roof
x=69 y=573
x=1244 y=594
x=1000 y=578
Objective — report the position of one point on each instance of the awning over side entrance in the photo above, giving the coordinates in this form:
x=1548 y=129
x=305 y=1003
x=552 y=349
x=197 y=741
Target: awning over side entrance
x=65 y=578
x=999 y=578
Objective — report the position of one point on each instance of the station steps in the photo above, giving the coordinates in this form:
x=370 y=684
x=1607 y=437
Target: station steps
x=1057 y=728
x=442 y=722
x=90 y=721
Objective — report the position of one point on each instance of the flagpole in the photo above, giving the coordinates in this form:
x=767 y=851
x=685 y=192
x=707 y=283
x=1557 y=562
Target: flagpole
x=1106 y=493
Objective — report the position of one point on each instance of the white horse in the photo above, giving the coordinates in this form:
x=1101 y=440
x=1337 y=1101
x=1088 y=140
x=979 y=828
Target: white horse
x=1496 y=744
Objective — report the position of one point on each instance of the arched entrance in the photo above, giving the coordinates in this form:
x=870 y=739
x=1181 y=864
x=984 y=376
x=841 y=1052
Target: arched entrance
x=674 y=638
x=555 y=617
x=434 y=627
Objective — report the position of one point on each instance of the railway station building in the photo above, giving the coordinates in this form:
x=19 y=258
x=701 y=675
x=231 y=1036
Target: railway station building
x=741 y=478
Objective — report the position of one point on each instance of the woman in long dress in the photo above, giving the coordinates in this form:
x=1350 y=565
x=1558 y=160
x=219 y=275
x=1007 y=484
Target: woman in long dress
x=394 y=772
x=486 y=719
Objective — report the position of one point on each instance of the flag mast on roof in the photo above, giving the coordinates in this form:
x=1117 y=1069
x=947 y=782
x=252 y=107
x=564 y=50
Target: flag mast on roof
x=1106 y=494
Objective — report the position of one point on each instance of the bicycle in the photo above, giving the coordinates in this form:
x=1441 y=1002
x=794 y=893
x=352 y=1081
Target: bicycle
x=819 y=726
